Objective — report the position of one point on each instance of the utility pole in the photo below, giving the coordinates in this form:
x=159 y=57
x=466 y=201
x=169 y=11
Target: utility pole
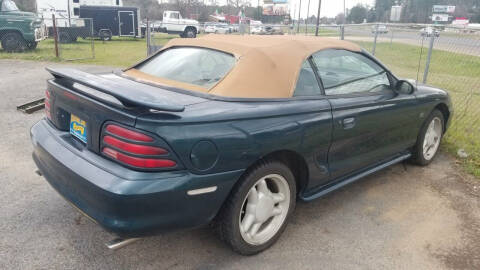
x=299 y=10
x=344 y=13
x=318 y=16
x=306 y=21
x=69 y=19
x=258 y=10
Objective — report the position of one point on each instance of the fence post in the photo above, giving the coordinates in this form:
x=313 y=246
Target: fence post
x=92 y=38
x=147 y=37
x=342 y=32
x=429 y=57
x=55 y=35
x=375 y=39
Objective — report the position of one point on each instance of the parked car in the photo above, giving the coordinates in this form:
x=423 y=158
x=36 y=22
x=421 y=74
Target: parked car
x=235 y=27
x=429 y=31
x=256 y=27
x=271 y=30
x=173 y=23
x=200 y=133
x=381 y=29
x=209 y=27
x=19 y=30
x=218 y=28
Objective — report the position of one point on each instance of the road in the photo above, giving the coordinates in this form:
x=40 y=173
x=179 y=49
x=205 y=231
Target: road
x=404 y=217
x=458 y=43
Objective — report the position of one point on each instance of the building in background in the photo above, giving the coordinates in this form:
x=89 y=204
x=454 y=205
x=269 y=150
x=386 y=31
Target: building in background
x=276 y=7
x=396 y=13
x=442 y=14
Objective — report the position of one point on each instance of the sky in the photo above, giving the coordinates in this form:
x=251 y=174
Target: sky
x=329 y=8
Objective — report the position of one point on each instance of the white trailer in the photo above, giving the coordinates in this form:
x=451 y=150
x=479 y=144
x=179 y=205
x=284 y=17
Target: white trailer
x=67 y=11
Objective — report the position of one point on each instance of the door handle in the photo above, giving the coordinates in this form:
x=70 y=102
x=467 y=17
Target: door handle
x=348 y=122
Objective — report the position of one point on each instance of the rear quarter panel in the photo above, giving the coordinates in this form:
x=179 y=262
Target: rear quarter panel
x=244 y=132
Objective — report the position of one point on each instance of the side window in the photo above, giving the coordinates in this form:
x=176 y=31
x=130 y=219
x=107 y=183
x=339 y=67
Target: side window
x=307 y=84
x=345 y=72
x=174 y=15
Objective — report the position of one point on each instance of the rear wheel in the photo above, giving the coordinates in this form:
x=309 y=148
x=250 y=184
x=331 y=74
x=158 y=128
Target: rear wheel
x=190 y=32
x=256 y=213
x=428 y=140
x=13 y=42
x=105 y=35
x=32 y=45
x=64 y=37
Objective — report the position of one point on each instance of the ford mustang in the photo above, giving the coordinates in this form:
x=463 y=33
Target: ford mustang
x=230 y=131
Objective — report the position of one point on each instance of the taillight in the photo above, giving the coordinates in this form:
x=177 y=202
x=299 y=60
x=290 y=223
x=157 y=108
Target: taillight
x=138 y=162
x=134 y=148
x=47 y=104
x=128 y=134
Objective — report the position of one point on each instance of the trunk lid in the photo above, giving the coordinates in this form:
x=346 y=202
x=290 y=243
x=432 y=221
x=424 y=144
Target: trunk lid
x=96 y=99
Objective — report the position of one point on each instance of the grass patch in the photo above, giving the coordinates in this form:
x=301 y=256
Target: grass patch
x=459 y=74
x=119 y=52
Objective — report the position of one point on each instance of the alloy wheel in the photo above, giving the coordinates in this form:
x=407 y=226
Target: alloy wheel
x=431 y=142
x=264 y=209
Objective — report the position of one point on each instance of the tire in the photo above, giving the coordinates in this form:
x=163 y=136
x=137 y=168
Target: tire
x=64 y=37
x=32 y=45
x=267 y=211
x=190 y=32
x=428 y=140
x=13 y=42
x=105 y=35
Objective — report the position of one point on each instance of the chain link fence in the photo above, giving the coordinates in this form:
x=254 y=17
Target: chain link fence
x=73 y=39
x=60 y=38
x=444 y=57
x=15 y=37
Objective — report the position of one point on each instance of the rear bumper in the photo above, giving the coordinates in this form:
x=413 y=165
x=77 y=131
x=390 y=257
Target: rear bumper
x=126 y=202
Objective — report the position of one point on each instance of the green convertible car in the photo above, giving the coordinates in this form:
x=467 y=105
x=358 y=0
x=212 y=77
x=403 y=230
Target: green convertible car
x=229 y=131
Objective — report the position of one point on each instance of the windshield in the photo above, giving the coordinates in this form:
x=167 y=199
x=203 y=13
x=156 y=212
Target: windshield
x=8 y=5
x=198 y=66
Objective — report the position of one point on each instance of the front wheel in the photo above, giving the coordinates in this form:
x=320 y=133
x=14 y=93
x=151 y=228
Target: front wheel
x=429 y=138
x=256 y=213
x=13 y=42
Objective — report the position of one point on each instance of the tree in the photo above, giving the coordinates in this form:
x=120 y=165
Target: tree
x=371 y=15
x=340 y=18
x=382 y=9
x=26 y=5
x=357 y=14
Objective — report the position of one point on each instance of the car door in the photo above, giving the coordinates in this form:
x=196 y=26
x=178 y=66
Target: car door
x=371 y=121
x=175 y=24
x=317 y=126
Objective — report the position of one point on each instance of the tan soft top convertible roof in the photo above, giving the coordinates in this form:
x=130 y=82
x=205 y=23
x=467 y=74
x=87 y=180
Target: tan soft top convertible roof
x=266 y=67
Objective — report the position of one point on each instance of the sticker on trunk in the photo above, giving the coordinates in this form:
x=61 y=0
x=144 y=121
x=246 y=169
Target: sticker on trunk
x=78 y=128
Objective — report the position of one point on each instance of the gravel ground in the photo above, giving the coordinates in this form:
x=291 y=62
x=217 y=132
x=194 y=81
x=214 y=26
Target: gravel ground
x=404 y=217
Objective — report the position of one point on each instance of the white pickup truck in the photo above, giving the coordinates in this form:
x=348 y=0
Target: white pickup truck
x=173 y=23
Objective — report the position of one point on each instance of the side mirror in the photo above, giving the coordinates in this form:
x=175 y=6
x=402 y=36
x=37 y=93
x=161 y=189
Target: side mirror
x=404 y=87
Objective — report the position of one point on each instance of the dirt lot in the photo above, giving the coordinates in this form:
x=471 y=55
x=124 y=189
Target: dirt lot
x=405 y=217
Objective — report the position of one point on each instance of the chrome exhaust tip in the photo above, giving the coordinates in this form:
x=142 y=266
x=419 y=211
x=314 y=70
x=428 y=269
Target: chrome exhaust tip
x=118 y=243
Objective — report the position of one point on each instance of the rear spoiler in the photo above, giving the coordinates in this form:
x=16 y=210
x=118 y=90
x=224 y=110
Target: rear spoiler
x=133 y=94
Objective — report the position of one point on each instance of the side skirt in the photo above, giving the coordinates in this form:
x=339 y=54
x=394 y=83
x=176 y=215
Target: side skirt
x=324 y=190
